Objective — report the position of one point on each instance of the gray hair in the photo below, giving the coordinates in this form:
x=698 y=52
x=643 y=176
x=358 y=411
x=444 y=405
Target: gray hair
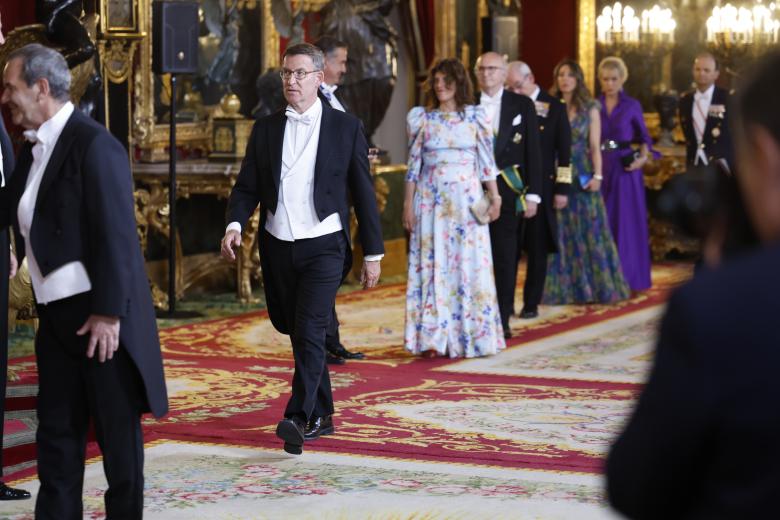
x=307 y=49
x=520 y=67
x=39 y=62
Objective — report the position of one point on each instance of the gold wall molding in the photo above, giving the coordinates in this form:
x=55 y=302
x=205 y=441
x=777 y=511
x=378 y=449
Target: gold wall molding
x=271 y=38
x=586 y=41
x=117 y=58
x=446 y=29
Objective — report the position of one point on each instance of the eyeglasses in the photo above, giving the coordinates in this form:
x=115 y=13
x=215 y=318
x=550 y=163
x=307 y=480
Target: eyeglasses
x=298 y=74
x=487 y=69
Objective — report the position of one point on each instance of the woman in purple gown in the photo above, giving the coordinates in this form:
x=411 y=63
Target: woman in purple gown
x=623 y=188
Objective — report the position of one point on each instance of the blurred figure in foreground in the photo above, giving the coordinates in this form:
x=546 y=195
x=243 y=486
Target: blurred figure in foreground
x=702 y=442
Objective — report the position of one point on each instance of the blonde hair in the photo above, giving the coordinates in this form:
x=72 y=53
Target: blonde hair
x=614 y=63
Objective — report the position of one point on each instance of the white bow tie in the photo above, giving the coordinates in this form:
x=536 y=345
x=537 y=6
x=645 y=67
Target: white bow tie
x=487 y=100
x=292 y=115
x=31 y=135
x=699 y=96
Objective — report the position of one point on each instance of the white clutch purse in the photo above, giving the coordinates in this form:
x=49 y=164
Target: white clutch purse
x=480 y=209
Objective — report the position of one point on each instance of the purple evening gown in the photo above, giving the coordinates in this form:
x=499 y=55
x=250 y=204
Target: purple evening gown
x=624 y=192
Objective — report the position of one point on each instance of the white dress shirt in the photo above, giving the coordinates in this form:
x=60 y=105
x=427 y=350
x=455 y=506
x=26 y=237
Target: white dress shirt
x=296 y=217
x=71 y=278
x=329 y=91
x=699 y=110
x=535 y=94
x=492 y=105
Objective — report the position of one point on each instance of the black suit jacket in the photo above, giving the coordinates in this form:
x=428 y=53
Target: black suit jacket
x=717 y=134
x=555 y=134
x=519 y=144
x=703 y=440
x=85 y=212
x=338 y=96
x=341 y=169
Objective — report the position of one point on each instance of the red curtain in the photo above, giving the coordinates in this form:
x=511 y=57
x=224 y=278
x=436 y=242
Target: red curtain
x=549 y=34
x=17 y=12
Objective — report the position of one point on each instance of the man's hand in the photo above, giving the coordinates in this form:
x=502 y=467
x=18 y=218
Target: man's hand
x=230 y=241
x=14 y=265
x=369 y=275
x=103 y=334
x=560 y=201
x=530 y=209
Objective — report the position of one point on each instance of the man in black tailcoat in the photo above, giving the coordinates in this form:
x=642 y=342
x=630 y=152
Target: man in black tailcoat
x=302 y=165
x=518 y=157
x=539 y=236
x=70 y=201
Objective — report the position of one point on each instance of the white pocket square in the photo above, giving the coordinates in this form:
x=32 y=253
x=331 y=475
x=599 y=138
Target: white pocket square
x=516 y=120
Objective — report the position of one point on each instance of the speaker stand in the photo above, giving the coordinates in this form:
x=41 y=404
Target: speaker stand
x=172 y=152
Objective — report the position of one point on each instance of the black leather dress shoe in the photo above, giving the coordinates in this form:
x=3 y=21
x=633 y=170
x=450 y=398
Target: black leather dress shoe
x=9 y=493
x=528 y=314
x=334 y=360
x=318 y=426
x=291 y=432
x=343 y=353
x=507 y=334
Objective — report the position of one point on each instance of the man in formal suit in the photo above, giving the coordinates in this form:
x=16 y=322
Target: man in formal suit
x=7 y=270
x=704 y=116
x=518 y=157
x=301 y=166
x=702 y=441
x=97 y=349
x=335 y=52
x=539 y=236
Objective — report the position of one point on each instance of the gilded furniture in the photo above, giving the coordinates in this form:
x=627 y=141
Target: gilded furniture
x=211 y=178
x=194 y=177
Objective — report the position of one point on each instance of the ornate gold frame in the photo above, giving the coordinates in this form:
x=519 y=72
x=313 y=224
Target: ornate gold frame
x=586 y=40
x=151 y=138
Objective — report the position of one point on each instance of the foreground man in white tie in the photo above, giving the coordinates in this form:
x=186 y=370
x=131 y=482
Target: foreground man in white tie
x=98 y=354
x=301 y=165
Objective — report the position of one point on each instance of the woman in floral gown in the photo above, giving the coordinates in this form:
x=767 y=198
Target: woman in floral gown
x=586 y=268
x=451 y=305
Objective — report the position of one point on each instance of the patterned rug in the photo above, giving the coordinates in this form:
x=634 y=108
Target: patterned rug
x=519 y=435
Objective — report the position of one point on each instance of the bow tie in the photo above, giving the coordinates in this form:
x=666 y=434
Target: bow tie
x=699 y=96
x=292 y=115
x=487 y=100
x=31 y=135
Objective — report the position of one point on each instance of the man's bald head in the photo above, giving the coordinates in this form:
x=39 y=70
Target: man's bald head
x=491 y=72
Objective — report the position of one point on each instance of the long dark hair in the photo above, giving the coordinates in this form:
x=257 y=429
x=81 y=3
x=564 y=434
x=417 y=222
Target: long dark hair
x=454 y=72
x=581 y=97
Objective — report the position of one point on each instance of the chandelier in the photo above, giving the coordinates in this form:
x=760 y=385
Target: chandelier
x=729 y=26
x=618 y=25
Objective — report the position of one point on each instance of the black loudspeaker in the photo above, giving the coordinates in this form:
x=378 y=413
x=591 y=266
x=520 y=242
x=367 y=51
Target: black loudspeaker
x=499 y=34
x=175 y=29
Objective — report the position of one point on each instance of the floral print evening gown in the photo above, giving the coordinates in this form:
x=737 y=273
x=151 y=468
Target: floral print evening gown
x=586 y=268
x=451 y=304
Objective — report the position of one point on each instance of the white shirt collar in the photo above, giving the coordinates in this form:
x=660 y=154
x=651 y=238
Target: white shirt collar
x=707 y=94
x=313 y=111
x=536 y=93
x=328 y=88
x=487 y=98
x=48 y=133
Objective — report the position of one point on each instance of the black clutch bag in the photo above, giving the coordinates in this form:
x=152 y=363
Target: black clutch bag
x=626 y=160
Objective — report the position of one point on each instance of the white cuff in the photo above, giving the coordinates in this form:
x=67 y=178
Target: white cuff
x=533 y=197
x=373 y=258
x=233 y=226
